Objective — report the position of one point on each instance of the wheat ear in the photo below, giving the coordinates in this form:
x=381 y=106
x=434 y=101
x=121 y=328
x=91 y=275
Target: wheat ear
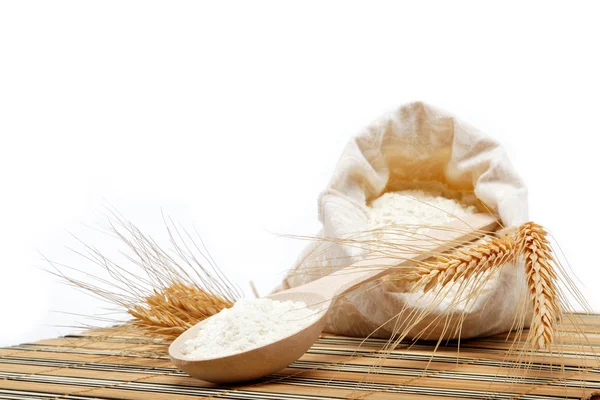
x=463 y=263
x=541 y=280
x=532 y=243
x=165 y=291
x=172 y=310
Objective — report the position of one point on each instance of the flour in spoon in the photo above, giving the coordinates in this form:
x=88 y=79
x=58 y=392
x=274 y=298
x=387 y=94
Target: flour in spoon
x=249 y=324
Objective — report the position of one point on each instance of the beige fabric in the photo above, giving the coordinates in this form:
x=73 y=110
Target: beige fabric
x=415 y=146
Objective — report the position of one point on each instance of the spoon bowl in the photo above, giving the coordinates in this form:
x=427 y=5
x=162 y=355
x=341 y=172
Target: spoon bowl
x=257 y=362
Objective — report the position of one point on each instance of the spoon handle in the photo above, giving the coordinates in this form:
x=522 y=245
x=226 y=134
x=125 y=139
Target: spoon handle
x=439 y=240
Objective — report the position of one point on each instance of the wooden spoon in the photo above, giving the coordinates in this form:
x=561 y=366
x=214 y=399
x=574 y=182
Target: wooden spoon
x=318 y=295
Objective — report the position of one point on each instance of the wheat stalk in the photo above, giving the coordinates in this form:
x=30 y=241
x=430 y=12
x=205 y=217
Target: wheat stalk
x=166 y=292
x=529 y=241
x=541 y=280
x=463 y=263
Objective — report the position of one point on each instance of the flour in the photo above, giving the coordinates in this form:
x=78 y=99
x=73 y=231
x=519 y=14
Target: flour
x=415 y=212
x=415 y=209
x=249 y=324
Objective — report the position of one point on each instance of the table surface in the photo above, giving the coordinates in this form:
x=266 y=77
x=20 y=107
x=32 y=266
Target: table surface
x=117 y=364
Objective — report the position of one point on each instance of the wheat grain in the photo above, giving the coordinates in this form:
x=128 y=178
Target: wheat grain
x=541 y=280
x=172 y=310
x=463 y=263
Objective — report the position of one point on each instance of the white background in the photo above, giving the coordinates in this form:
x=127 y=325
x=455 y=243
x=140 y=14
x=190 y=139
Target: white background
x=231 y=118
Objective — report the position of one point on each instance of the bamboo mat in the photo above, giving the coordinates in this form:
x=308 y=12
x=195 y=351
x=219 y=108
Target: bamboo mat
x=99 y=364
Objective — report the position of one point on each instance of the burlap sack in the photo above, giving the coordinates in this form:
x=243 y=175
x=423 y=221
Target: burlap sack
x=415 y=146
